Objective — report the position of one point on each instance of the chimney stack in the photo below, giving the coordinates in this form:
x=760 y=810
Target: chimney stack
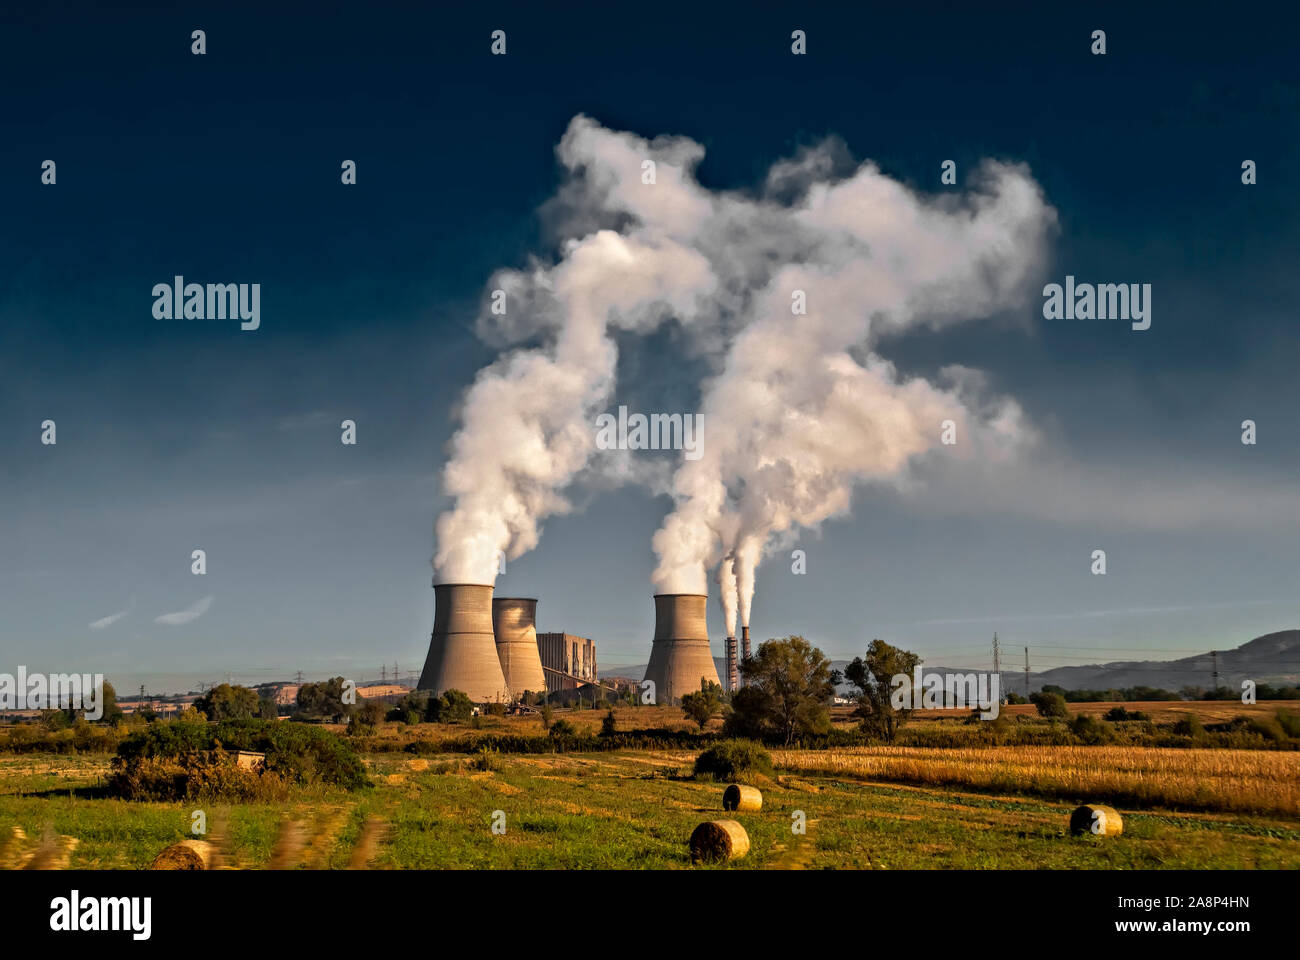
x=462 y=650
x=744 y=641
x=733 y=678
x=680 y=658
x=514 y=623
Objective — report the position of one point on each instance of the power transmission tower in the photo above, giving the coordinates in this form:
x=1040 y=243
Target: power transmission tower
x=1026 y=673
x=383 y=673
x=299 y=677
x=997 y=662
x=1214 y=656
x=395 y=679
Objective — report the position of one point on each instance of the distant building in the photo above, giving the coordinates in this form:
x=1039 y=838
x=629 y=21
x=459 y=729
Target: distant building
x=567 y=661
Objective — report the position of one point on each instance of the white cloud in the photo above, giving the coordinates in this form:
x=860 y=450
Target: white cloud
x=111 y=619
x=185 y=616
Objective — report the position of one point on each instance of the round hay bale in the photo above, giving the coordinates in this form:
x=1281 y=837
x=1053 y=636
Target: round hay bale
x=186 y=855
x=1099 y=820
x=719 y=840
x=738 y=796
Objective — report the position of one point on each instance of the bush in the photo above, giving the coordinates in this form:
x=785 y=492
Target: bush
x=562 y=728
x=1091 y=731
x=1289 y=722
x=1190 y=726
x=496 y=709
x=295 y=753
x=1050 y=705
x=735 y=760
x=608 y=726
x=409 y=710
x=454 y=706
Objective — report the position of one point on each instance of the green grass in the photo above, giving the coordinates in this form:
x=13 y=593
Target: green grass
x=636 y=810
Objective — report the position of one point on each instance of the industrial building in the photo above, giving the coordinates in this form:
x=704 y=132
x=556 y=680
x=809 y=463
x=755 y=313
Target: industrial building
x=568 y=661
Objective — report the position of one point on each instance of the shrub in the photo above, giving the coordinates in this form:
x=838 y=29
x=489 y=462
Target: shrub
x=562 y=728
x=295 y=753
x=454 y=706
x=1091 y=731
x=496 y=709
x=1050 y=705
x=735 y=760
x=487 y=758
x=1289 y=722
x=1190 y=726
x=608 y=726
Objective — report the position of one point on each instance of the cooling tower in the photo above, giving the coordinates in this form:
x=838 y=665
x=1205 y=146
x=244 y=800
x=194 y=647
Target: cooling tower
x=462 y=650
x=733 y=680
x=680 y=657
x=514 y=622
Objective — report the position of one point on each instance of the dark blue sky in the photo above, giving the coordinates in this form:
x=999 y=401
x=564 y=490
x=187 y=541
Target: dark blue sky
x=182 y=434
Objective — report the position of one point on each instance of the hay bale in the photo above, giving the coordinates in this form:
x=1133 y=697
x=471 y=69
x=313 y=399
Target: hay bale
x=1099 y=820
x=185 y=855
x=741 y=797
x=719 y=840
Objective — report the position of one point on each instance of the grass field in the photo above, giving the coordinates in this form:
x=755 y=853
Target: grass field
x=637 y=809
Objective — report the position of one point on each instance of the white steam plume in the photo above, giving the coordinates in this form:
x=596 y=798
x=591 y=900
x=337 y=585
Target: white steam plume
x=803 y=408
x=526 y=427
x=800 y=408
x=727 y=594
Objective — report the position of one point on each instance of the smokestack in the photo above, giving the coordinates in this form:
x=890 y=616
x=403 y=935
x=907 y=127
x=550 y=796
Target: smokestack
x=744 y=641
x=733 y=678
x=514 y=623
x=462 y=650
x=680 y=659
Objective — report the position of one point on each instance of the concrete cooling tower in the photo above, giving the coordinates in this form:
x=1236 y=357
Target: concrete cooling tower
x=514 y=623
x=680 y=657
x=462 y=650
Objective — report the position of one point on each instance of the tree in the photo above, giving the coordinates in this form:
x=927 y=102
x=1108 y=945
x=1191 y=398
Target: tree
x=788 y=685
x=1050 y=704
x=227 y=702
x=112 y=712
x=873 y=676
x=701 y=705
x=409 y=710
x=454 y=706
x=322 y=701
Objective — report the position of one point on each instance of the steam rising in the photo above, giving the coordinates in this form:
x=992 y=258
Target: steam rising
x=800 y=408
x=526 y=420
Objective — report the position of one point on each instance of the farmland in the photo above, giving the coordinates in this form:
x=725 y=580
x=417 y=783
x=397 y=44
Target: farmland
x=894 y=807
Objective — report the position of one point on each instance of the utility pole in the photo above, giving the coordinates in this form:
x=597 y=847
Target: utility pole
x=997 y=662
x=1026 y=673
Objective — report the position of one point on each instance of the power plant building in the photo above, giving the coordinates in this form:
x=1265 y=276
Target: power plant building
x=567 y=660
